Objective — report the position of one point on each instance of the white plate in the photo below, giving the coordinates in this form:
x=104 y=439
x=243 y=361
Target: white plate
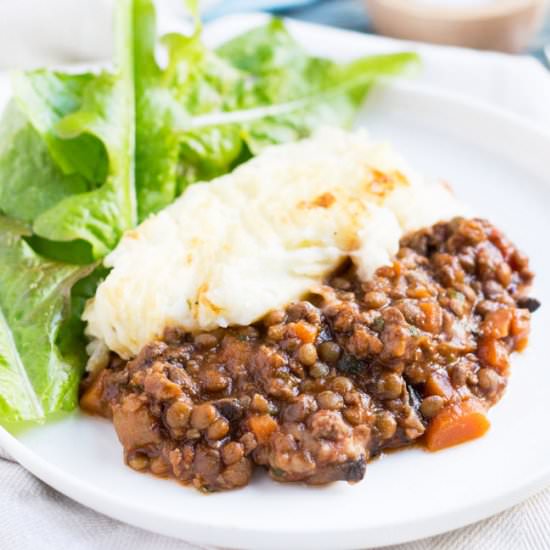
x=500 y=165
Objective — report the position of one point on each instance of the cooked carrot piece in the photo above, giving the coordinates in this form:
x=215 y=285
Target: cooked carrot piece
x=497 y=323
x=432 y=318
x=262 y=426
x=457 y=423
x=520 y=328
x=493 y=353
x=438 y=383
x=304 y=331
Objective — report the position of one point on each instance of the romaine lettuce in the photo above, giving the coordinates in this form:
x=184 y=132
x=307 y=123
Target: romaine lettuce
x=37 y=378
x=83 y=157
x=206 y=112
x=71 y=138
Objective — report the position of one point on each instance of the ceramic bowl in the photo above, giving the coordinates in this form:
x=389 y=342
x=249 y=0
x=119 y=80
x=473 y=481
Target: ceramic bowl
x=504 y=25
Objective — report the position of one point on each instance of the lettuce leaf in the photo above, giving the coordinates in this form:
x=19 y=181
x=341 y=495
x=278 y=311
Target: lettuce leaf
x=205 y=112
x=84 y=157
x=67 y=192
x=27 y=170
x=36 y=378
x=79 y=131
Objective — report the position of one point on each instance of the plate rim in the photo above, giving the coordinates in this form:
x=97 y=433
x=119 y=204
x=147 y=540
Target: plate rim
x=232 y=536
x=122 y=510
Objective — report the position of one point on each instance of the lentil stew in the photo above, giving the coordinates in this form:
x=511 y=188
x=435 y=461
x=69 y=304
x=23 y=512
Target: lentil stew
x=417 y=353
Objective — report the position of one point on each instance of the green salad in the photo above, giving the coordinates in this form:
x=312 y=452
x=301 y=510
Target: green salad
x=85 y=157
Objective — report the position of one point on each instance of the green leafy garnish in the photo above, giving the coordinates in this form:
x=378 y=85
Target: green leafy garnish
x=70 y=138
x=85 y=157
x=349 y=364
x=206 y=112
x=378 y=324
x=28 y=171
x=67 y=185
x=40 y=360
x=456 y=295
x=277 y=472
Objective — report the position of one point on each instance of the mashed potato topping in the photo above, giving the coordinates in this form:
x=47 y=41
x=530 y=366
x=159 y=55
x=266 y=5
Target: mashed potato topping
x=229 y=251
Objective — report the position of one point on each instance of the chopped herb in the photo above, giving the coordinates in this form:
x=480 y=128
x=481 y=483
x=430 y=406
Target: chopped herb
x=350 y=364
x=277 y=472
x=378 y=324
x=456 y=295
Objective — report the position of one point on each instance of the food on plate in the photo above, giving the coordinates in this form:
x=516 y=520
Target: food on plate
x=254 y=240
x=400 y=334
x=85 y=157
x=248 y=283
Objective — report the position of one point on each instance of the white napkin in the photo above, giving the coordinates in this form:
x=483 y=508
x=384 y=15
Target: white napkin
x=32 y=515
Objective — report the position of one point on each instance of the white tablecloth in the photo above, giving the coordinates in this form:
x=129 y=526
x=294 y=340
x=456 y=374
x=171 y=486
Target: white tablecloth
x=34 y=516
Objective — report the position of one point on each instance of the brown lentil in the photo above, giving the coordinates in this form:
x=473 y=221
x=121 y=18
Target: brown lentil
x=259 y=403
x=386 y=425
x=232 y=452
x=329 y=352
x=203 y=415
x=307 y=354
x=205 y=340
x=319 y=370
x=219 y=429
x=431 y=405
x=138 y=462
x=390 y=386
x=274 y=317
x=342 y=385
x=178 y=414
x=330 y=400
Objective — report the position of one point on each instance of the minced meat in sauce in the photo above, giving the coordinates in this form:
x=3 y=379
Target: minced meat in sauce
x=415 y=354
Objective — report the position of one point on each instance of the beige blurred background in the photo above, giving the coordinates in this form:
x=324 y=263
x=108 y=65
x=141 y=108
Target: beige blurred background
x=43 y=32
x=36 y=33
